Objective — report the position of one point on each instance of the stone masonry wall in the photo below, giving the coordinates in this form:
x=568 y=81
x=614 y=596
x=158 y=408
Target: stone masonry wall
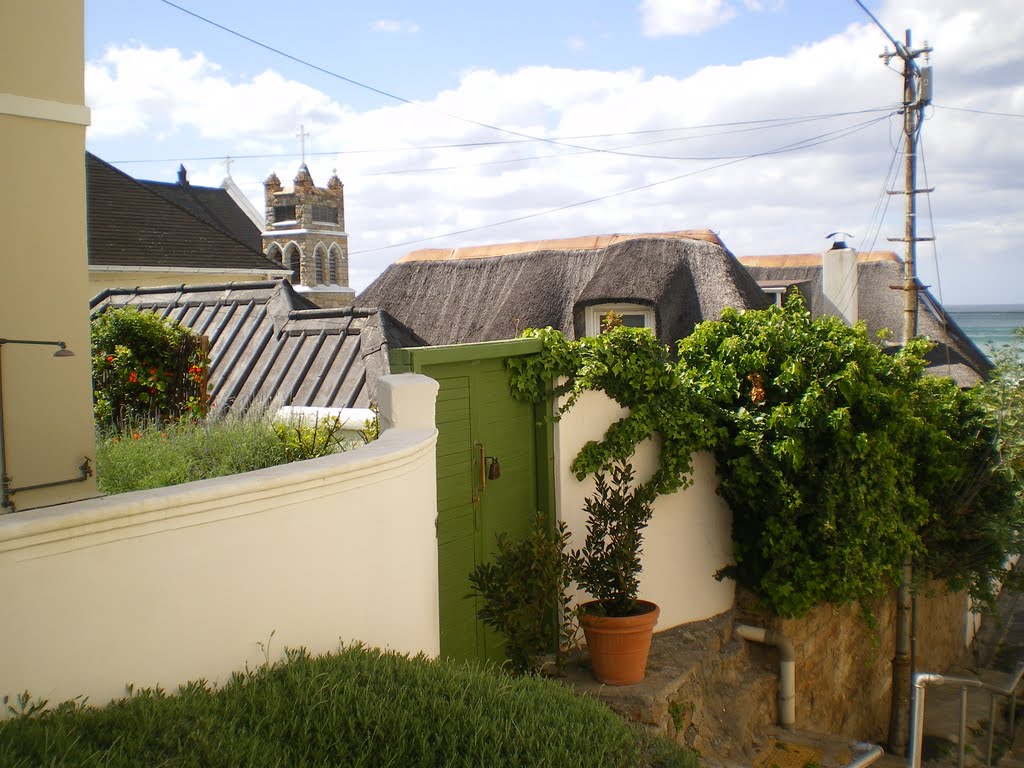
x=844 y=665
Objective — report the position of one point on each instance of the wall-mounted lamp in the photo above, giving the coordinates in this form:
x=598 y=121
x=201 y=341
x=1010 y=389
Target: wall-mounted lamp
x=62 y=352
x=7 y=490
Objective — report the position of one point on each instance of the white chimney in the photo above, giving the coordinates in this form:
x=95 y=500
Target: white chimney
x=839 y=281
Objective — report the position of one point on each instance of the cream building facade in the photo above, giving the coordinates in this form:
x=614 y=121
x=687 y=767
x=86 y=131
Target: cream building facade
x=46 y=400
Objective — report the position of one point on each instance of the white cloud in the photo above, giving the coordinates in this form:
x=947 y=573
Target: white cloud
x=576 y=43
x=683 y=17
x=396 y=26
x=663 y=18
x=139 y=91
x=783 y=202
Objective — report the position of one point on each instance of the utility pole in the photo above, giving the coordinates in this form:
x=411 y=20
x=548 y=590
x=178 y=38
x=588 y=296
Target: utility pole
x=915 y=98
x=916 y=95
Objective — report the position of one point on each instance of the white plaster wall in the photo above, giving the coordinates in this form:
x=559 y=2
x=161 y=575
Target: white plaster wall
x=690 y=535
x=176 y=584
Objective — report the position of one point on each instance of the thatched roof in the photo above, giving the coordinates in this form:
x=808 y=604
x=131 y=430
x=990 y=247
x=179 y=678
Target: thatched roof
x=271 y=347
x=880 y=306
x=494 y=292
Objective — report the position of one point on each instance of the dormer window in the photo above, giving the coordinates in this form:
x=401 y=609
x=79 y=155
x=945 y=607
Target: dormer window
x=629 y=315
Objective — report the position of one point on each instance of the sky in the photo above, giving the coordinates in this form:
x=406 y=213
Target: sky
x=454 y=123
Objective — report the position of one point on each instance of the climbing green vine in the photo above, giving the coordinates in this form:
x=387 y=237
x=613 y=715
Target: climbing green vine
x=633 y=368
x=838 y=458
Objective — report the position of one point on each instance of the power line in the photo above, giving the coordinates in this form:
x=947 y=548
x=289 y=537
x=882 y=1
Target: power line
x=978 y=111
x=758 y=124
x=561 y=155
x=874 y=227
x=750 y=126
x=935 y=254
x=390 y=95
x=832 y=136
x=379 y=91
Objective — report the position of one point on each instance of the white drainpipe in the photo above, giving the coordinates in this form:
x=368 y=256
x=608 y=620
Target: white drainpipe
x=787 y=668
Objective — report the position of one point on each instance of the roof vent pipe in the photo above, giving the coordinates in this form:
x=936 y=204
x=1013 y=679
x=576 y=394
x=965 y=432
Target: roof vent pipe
x=787 y=668
x=839 y=280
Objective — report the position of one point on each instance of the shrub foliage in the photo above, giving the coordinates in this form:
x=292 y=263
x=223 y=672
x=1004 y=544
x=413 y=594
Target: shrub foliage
x=145 y=368
x=359 y=707
x=838 y=458
x=155 y=455
x=522 y=593
x=608 y=564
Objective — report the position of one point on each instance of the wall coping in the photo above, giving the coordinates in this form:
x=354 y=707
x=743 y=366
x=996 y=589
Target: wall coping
x=92 y=522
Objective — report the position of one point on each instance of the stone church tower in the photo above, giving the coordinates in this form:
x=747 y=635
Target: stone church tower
x=306 y=233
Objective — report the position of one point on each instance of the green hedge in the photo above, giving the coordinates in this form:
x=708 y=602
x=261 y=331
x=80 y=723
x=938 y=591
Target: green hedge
x=358 y=707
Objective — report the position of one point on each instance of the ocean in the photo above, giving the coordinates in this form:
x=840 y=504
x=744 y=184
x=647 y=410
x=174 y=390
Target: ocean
x=988 y=325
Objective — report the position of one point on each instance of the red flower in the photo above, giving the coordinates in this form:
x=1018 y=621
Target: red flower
x=133 y=377
x=152 y=390
x=152 y=371
x=136 y=435
x=110 y=358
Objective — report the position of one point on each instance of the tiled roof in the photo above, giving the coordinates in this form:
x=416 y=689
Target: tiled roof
x=212 y=205
x=271 y=347
x=132 y=225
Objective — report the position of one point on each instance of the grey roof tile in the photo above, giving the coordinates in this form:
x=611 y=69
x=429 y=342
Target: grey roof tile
x=270 y=347
x=130 y=224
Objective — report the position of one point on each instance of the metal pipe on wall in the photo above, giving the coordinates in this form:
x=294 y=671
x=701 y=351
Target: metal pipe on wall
x=787 y=668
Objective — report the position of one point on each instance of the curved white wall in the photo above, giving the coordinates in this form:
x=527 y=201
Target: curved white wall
x=690 y=535
x=175 y=584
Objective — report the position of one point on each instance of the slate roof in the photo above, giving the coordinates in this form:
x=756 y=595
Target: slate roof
x=212 y=205
x=131 y=224
x=493 y=292
x=270 y=347
x=881 y=307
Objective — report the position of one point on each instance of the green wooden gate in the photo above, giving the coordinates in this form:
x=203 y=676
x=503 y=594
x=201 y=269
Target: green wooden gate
x=479 y=421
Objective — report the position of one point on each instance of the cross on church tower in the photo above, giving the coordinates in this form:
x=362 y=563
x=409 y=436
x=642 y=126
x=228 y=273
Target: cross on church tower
x=302 y=135
x=227 y=165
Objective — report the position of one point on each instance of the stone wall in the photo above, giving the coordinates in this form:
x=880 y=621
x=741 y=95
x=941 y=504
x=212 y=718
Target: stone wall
x=844 y=663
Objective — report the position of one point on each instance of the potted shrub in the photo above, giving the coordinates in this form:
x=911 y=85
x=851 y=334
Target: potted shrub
x=617 y=626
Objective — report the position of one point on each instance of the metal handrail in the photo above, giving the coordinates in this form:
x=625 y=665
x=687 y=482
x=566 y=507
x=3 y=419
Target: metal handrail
x=923 y=679
x=870 y=753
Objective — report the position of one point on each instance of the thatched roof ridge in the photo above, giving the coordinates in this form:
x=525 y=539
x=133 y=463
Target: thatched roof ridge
x=777 y=260
x=579 y=243
x=451 y=301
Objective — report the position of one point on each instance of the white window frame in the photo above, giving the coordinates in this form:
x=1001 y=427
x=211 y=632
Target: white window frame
x=594 y=312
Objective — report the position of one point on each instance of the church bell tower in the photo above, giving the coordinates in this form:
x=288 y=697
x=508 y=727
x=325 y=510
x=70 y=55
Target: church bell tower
x=305 y=233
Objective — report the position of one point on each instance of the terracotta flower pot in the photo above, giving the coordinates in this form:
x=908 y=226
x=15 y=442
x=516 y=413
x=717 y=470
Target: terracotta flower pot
x=619 y=645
